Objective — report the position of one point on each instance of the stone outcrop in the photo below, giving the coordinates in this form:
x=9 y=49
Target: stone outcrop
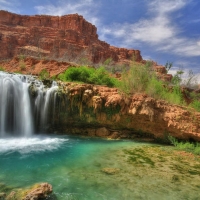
x=161 y=72
x=105 y=112
x=36 y=192
x=40 y=191
x=69 y=37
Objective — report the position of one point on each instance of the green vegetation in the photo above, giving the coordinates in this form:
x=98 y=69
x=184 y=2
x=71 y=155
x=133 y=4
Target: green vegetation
x=1 y=68
x=168 y=66
x=21 y=56
x=88 y=75
x=186 y=146
x=108 y=61
x=136 y=78
x=176 y=80
x=196 y=105
x=141 y=78
x=18 y=72
x=138 y=156
x=44 y=74
x=22 y=66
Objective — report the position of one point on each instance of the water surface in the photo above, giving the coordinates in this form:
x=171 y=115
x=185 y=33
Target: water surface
x=75 y=167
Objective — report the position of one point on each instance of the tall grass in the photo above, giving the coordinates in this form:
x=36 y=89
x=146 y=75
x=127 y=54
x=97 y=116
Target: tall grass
x=196 y=105
x=141 y=78
x=136 y=79
x=185 y=146
x=44 y=74
x=2 y=68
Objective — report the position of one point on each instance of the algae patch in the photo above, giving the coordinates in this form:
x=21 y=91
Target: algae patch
x=138 y=156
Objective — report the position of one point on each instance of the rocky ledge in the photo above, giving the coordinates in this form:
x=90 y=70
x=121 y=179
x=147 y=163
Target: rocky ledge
x=100 y=111
x=36 y=192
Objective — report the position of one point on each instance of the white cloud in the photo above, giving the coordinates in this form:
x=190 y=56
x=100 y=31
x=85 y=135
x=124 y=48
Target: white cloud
x=157 y=30
x=164 y=7
x=198 y=43
x=9 y=5
x=4 y=2
x=63 y=7
x=152 y=31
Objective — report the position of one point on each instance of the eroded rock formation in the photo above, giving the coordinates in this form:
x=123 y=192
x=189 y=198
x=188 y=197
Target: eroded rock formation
x=68 y=37
x=105 y=112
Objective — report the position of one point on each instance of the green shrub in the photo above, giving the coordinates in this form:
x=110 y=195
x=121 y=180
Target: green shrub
x=186 y=146
x=21 y=56
x=136 y=79
x=88 y=75
x=141 y=78
x=157 y=90
x=196 y=105
x=108 y=61
x=44 y=74
x=1 y=68
x=22 y=66
x=18 y=72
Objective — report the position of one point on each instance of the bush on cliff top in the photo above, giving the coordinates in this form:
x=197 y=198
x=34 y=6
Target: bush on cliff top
x=88 y=75
x=142 y=79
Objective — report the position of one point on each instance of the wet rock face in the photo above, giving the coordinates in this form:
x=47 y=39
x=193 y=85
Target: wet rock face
x=63 y=37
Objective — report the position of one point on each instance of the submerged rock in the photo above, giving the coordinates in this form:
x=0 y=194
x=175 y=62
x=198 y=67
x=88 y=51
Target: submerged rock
x=11 y=196
x=110 y=171
x=2 y=196
x=36 y=192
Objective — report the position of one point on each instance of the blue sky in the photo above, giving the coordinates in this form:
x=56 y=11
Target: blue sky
x=163 y=30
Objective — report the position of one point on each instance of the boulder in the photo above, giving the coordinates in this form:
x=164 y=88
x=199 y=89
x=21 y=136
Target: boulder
x=39 y=191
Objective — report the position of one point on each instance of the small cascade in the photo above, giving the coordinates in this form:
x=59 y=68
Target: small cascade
x=44 y=106
x=26 y=105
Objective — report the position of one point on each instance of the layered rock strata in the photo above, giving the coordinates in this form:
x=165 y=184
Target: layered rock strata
x=69 y=37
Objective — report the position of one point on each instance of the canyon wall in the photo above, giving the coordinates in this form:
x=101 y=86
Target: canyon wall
x=69 y=38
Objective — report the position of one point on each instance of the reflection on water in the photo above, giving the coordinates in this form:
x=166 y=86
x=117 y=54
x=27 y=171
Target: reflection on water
x=76 y=168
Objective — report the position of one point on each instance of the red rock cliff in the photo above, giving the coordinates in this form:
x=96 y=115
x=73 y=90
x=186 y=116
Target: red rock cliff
x=68 y=37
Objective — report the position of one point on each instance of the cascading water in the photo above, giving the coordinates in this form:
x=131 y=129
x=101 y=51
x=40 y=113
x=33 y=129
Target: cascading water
x=44 y=103
x=20 y=113
x=15 y=108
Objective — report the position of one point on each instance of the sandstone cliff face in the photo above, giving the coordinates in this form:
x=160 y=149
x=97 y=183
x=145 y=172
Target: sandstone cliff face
x=101 y=111
x=33 y=66
x=68 y=37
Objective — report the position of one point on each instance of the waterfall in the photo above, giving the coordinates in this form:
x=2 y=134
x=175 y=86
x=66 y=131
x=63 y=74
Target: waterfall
x=15 y=107
x=21 y=113
x=44 y=106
